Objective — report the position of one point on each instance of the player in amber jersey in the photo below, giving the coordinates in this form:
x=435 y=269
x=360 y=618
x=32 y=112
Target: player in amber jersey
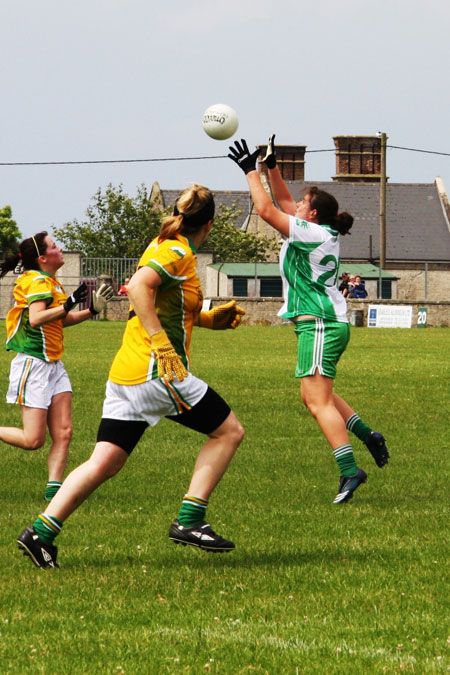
x=150 y=378
x=38 y=381
x=178 y=301
x=309 y=265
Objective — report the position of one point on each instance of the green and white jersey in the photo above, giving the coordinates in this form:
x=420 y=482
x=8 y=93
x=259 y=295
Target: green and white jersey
x=309 y=265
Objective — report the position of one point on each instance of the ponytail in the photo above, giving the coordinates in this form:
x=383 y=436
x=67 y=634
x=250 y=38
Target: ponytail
x=171 y=226
x=343 y=223
x=193 y=209
x=29 y=251
x=9 y=263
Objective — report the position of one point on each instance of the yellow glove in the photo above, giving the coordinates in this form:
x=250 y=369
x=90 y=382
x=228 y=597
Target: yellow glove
x=222 y=317
x=169 y=363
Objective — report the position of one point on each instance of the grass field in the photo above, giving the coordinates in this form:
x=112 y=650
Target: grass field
x=310 y=588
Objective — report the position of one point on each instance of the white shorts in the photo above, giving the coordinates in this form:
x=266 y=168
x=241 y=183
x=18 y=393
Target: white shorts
x=152 y=400
x=33 y=382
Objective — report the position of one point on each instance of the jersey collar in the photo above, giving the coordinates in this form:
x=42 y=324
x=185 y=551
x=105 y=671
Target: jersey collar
x=191 y=245
x=331 y=230
x=46 y=274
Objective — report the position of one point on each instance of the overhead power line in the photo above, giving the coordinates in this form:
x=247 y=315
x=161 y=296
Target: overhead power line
x=184 y=159
x=111 y=161
x=429 y=152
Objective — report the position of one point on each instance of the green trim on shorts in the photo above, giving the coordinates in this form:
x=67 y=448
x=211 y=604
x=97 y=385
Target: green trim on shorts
x=320 y=344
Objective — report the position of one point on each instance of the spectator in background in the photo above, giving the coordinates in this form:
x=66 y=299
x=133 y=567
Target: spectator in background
x=123 y=288
x=359 y=290
x=351 y=286
x=344 y=284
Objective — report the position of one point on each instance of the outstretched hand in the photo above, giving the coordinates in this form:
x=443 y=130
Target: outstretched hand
x=270 y=158
x=243 y=157
x=101 y=298
x=79 y=295
x=222 y=316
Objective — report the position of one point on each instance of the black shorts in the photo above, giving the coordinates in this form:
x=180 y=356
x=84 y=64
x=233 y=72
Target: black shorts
x=206 y=416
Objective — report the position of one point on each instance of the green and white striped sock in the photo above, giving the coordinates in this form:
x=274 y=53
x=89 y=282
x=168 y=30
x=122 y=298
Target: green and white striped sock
x=193 y=511
x=346 y=460
x=51 y=489
x=47 y=527
x=358 y=427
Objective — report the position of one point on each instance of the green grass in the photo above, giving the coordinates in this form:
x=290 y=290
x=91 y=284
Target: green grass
x=311 y=587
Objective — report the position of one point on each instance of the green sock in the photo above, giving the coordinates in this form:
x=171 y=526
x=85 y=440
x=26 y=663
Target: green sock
x=51 y=489
x=193 y=511
x=358 y=427
x=47 y=527
x=346 y=460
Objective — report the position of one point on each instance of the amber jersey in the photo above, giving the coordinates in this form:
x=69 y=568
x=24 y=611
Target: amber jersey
x=44 y=342
x=178 y=301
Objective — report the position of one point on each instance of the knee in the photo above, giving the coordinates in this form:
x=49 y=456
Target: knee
x=237 y=433
x=34 y=442
x=311 y=405
x=105 y=468
x=65 y=434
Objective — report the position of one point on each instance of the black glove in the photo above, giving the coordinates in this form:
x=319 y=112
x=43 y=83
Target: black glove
x=271 y=156
x=241 y=155
x=79 y=295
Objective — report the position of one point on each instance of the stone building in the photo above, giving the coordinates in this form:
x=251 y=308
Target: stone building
x=417 y=218
x=417 y=268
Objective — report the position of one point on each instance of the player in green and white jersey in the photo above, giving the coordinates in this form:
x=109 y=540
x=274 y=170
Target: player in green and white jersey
x=309 y=263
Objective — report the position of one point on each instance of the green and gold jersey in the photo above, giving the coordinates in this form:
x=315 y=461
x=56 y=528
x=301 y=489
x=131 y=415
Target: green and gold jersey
x=45 y=342
x=178 y=301
x=309 y=265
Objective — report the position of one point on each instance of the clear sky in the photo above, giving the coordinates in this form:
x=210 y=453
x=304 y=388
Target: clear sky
x=130 y=79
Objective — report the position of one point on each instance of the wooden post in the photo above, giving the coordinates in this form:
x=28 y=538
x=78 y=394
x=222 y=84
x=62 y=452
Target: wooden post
x=383 y=202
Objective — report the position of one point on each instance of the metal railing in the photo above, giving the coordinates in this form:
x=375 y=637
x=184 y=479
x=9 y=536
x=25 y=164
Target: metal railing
x=117 y=268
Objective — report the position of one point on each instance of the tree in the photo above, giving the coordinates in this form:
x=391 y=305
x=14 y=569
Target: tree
x=119 y=226
x=231 y=245
x=9 y=233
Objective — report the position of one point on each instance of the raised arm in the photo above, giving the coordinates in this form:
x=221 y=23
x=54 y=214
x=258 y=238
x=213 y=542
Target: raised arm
x=263 y=203
x=280 y=191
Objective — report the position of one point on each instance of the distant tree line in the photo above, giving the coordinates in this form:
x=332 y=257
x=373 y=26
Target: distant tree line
x=10 y=234
x=117 y=225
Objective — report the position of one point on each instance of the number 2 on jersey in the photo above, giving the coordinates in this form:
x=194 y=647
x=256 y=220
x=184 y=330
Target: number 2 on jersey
x=331 y=274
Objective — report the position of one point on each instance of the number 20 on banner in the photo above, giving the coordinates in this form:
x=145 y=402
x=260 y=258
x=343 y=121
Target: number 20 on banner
x=422 y=317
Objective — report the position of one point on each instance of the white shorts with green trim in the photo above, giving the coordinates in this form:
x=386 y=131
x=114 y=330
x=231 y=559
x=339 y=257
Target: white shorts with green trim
x=320 y=346
x=33 y=382
x=152 y=400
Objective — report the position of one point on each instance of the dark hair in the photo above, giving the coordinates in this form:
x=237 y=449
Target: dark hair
x=193 y=209
x=29 y=251
x=327 y=210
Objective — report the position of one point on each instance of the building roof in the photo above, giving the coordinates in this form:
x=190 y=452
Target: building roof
x=416 y=225
x=364 y=270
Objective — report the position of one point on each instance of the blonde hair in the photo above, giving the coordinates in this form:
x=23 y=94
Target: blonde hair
x=193 y=209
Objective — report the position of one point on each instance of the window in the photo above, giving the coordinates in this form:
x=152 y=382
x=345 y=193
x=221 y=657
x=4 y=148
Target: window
x=271 y=287
x=240 y=287
x=386 y=289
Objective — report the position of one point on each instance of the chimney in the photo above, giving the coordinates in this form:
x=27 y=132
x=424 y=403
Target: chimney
x=358 y=159
x=290 y=161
